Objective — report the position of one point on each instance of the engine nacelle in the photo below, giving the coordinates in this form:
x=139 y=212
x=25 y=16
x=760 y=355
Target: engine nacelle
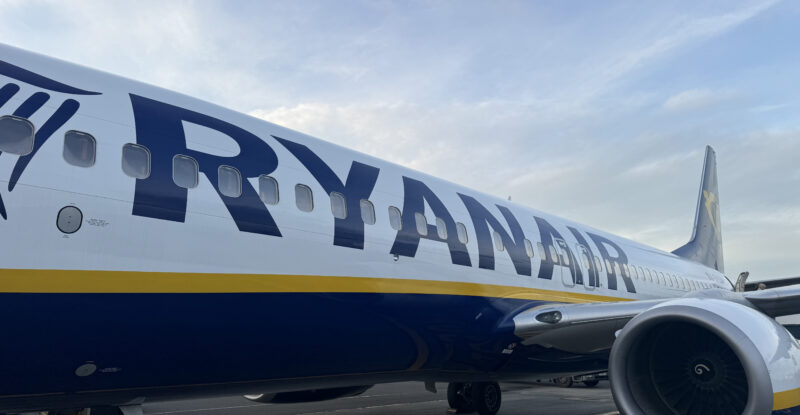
x=313 y=395
x=696 y=356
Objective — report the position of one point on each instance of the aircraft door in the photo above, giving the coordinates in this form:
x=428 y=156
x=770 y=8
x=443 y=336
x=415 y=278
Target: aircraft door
x=585 y=263
x=568 y=269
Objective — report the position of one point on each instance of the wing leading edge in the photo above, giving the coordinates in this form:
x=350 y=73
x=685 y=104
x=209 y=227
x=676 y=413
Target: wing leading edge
x=590 y=328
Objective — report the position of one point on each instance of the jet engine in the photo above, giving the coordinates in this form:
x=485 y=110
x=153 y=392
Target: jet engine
x=312 y=395
x=701 y=356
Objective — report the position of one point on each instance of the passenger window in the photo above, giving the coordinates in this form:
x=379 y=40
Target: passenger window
x=441 y=228
x=136 y=161
x=586 y=261
x=16 y=135
x=498 y=241
x=338 y=205
x=367 y=212
x=79 y=149
x=268 y=189
x=662 y=279
x=554 y=254
x=461 y=230
x=642 y=274
x=528 y=247
x=304 y=198
x=229 y=181
x=598 y=264
x=609 y=267
x=542 y=252
x=422 y=223
x=626 y=270
x=185 y=171
x=633 y=273
x=395 y=218
x=565 y=258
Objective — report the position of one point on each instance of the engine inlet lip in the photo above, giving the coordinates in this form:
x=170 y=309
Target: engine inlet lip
x=759 y=400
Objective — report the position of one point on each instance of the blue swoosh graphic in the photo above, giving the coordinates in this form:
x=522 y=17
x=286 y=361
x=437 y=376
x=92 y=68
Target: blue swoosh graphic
x=59 y=118
x=7 y=92
x=24 y=75
x=32 y=104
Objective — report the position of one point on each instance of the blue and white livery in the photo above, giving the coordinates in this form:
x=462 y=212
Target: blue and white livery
x=155 y=246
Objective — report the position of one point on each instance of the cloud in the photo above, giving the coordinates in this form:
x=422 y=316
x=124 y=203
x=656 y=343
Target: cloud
x=684 y=31
x=695 y=99
x=662 y=165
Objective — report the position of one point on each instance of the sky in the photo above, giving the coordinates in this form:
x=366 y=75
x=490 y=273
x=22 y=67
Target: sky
x=595 y=111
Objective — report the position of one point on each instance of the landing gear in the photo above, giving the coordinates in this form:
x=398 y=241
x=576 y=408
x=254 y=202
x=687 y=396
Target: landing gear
x=563 y=382
x=487 y=397
x=590 y=383
x=484 y=398
x=459 y=397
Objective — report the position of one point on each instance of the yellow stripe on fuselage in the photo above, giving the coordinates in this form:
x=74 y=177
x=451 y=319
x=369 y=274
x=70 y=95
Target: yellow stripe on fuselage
x=79 y=281
x=98 y=282
x=786 y=399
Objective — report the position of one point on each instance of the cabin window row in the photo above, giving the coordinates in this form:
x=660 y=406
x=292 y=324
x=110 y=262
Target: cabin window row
x=17 y=136
x=635 y=272
x=664 y=279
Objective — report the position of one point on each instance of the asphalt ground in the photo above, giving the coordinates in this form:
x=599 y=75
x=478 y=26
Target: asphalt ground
x=412 y=399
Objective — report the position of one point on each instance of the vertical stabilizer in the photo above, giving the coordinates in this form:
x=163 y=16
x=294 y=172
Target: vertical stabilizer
x=705 y=246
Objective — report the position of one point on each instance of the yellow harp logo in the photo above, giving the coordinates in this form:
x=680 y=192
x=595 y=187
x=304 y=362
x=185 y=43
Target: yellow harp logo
x=711 y=208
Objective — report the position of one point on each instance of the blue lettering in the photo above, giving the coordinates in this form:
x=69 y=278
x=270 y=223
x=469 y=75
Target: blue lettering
x=416 y=194
x=348 y=232
x=594 y=273
x=550 y=238
x=619 y=258
x=159 y=126
x=514 y=244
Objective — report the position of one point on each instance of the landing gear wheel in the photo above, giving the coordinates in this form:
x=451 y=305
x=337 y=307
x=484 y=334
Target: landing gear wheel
x=459 y=397
x=487 y=397
x=590 y=383
x=563 y=382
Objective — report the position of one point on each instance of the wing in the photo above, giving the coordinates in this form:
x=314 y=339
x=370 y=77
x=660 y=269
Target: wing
x=776 y=302
x=589 y=328
x=578 y=328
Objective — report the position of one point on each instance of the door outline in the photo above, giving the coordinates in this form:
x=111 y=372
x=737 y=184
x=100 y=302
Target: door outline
x=587 y=270
x=562 y=249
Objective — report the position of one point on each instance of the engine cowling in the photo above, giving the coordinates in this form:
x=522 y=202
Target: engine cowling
x=312 y=395
x=701 y=356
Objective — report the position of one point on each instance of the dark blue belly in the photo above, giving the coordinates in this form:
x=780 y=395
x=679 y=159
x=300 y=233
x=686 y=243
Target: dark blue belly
x=161 y=340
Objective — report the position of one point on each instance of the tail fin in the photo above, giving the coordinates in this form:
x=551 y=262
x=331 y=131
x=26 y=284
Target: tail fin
x=705 y=246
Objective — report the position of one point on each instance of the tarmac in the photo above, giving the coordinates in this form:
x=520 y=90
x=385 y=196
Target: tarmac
x=412 y=399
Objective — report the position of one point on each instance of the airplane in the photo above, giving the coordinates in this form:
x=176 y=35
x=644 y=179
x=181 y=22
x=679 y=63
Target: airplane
x=159 y=247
